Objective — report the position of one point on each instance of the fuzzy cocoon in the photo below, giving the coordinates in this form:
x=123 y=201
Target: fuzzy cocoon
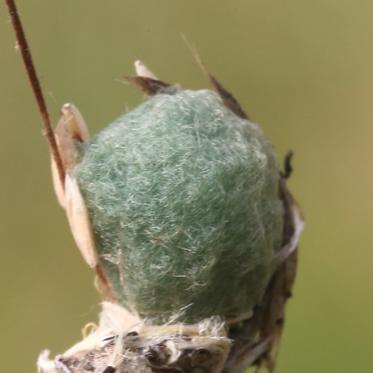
x=183 y=199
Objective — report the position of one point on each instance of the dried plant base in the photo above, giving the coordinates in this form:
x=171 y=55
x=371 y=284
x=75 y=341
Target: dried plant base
x=145 y=356
x=124 y=344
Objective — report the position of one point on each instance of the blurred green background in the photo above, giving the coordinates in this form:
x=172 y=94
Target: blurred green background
x=302 y=69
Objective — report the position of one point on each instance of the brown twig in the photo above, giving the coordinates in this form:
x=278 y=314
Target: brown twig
x=35 y=85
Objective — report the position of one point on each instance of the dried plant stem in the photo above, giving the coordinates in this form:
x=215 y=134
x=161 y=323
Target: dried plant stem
x=36 y=87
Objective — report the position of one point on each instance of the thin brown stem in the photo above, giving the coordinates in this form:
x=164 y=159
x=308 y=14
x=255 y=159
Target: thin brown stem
x=35 y=84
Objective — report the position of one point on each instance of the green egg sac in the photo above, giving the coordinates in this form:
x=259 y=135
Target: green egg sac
x=183 y=199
